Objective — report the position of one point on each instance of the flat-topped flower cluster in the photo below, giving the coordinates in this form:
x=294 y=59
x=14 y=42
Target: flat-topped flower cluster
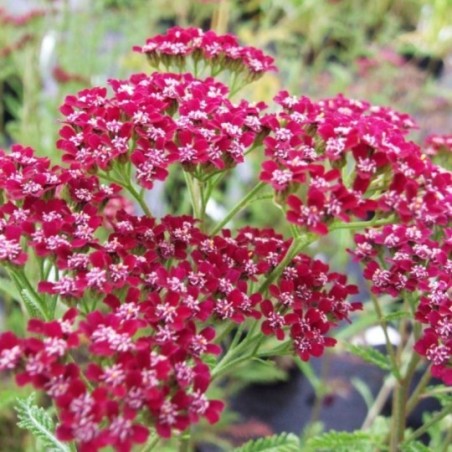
x=219 y=52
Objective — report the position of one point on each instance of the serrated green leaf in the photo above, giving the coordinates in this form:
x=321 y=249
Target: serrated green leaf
x=285 y=442
x=37 y=421
x=341 y=442
x=33 y=307
x=370 y=355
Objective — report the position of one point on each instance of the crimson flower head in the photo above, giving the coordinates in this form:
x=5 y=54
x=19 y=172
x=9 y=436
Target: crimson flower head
x=217 y=51
x=325 y=160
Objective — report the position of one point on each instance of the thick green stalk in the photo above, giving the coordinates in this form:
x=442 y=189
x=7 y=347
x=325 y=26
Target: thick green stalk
x=388 y=343
x=400 y=400
x=398 y=417
x=195 y=195
x=240 y=353
x=416 y=394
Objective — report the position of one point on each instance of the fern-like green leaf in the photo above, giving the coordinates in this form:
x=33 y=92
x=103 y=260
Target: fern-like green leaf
x=341 y=442
x=39 y=422
x=285 y=442
x=32 y=306
x=370 y=355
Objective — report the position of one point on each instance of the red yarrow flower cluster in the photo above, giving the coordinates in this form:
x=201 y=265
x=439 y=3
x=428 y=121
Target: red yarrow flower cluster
x=142 y=297
x=35 y=214
x=154 y=121
x=219 y=51
x=126 y=382
x=161 y=288
x=309 y=300
x=415 y=262
x=339 y=159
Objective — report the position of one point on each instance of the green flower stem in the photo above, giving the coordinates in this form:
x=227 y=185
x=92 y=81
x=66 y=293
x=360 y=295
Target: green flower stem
x=127 y=184
x=285 y=348
x=307 y=371
x=298 y=243
x=151 y=443
x=139 y=198
x=223 y=335
x=185 y=442
x=418 y=391
x=238 y=354
x=398 y=420
x=400 y=400
x=389 y=347
x=447 y=441
x=237 y=336
x=421 y=430
x=238 y=207
x=230 y=364
x=361 y=224
x=380 y=401
x=194 y=195
x=22 y=283
x=234 y=87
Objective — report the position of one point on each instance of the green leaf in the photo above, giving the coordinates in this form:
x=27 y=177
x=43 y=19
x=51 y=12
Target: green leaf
x=442 y=393
x=13 y=106
x=9 y=289
x=341 y=442
x=285 y=442
x=396 y=315
x=415 y=446
x=39 y=422
x=370 y=355
x=261 y=371
x=364 y=391
x=33 y=306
